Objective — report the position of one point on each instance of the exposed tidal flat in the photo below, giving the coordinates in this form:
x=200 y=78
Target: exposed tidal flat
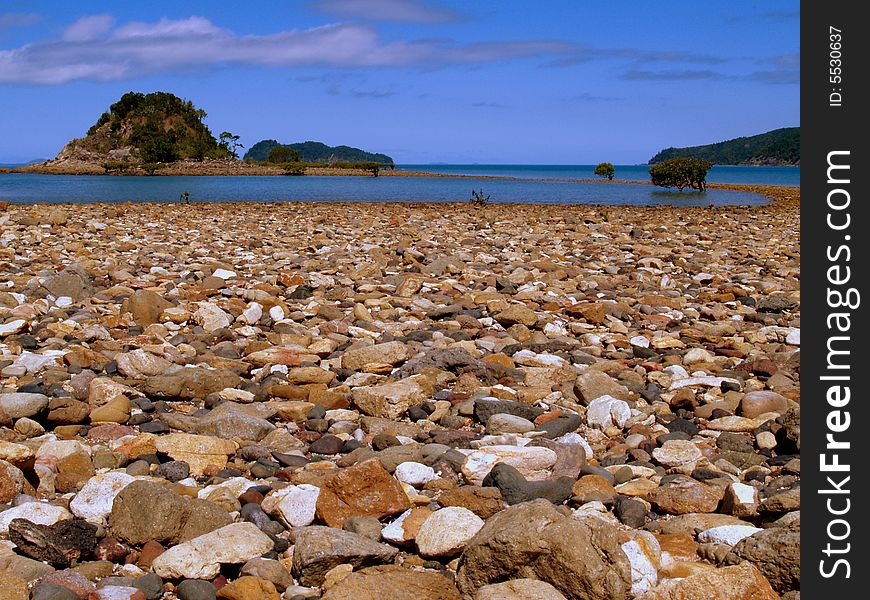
x=430 y=401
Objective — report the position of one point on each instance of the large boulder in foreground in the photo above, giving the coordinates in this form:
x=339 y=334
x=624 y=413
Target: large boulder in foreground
x=581 y=558
x=777 y=554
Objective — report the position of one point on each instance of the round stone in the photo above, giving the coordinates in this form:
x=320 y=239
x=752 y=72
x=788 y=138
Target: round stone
x=676 y=453
x=194 y=589
x=504 y=423
x=446 y=531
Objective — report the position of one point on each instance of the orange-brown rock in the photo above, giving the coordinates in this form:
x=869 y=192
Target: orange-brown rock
x=365 y=489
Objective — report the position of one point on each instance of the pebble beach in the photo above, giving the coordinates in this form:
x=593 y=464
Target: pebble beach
x=415 y=401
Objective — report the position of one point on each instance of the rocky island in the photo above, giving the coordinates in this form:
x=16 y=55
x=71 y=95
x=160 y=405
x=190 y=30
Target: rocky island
x=161 y=134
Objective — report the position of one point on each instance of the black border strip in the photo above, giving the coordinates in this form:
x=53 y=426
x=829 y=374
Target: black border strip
x=834 y=252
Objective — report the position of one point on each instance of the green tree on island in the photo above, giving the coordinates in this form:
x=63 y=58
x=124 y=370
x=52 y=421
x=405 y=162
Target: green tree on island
x=283 y=154
x=605 y=169
x=681 y=172
x=230 y=143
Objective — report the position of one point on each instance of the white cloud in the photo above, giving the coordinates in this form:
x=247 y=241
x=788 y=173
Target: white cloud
x=94 y=49
x=91 y=50
x=88 y=28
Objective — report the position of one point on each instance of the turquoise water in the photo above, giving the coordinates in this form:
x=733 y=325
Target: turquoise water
x=718 y=174
x=544 y=184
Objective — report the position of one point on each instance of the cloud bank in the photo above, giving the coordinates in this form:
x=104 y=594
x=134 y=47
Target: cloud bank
x=95 y=48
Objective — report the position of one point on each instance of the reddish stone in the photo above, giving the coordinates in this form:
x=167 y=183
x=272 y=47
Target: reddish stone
x=365 y=489
x=150 y=551
x=546 y=417
x=251 y=496
x=111 y=549
x=109 y=432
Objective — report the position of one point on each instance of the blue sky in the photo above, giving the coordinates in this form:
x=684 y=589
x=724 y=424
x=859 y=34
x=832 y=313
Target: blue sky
x=566 y=82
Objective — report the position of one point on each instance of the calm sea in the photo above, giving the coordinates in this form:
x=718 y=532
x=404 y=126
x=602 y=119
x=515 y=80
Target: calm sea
x=718 y=174
x=531 y=184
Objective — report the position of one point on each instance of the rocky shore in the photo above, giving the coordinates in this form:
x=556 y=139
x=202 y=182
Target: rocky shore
x=179 y=168
x=405 y=401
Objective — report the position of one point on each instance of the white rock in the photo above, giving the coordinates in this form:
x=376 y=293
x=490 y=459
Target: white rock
x=116 y=592
x=765 y=440
x=446 y=531
x=33 y=363
x=295 y=504
x=533 y=462
x=224 y=274
x=40 y=513
x=606 y=411
x=138 y=364
x=414 y=473
x=575 y=439
x=94 y=501
x=395 y=531
x=211 y=317
x=675 y=453
x=61 y=448
x=63 y=302
x=555 y=328
x=252 y=314
x=201 y=557
x=531 y=359
x=12 y=327
x=276 y=313
x=640 y=341
x=236 y=485
x=644 y=555
x=234 y=395
x=676 y=371
x=794 y=337
x=596 y=510
x=727 y=534
x=697 y=355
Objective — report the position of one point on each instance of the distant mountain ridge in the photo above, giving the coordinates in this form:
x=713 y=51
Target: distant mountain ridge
x=780 y=147
x=316 y=152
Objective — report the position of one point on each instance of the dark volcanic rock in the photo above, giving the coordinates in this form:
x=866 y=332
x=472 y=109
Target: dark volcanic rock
x=59 y=544
x=484 y=409
x=515 y=489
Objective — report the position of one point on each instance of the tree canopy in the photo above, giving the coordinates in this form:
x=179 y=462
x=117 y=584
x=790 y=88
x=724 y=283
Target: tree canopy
x=283 y=154
x=605 y=169
x=681 y=172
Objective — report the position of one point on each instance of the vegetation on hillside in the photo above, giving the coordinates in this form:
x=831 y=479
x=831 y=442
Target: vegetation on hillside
x=153 y=128
x=316 y=152
x=777 y=147
x=681 y=172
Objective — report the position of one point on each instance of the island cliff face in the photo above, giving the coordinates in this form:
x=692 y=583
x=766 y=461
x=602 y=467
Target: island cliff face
x=780 y=147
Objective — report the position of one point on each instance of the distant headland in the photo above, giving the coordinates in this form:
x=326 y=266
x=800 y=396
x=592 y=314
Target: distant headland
x=780 y=147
